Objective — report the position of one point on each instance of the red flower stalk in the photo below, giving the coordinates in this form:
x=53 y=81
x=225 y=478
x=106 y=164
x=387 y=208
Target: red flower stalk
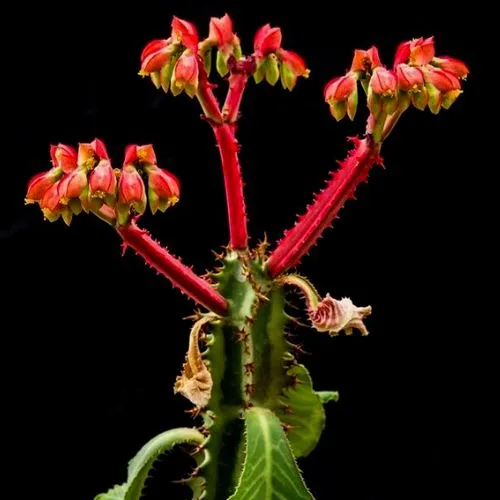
x=228 y=150
x=180 y=275
x=321 y=213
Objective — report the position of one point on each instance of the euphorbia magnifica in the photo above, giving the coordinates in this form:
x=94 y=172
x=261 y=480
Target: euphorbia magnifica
x=259 y=409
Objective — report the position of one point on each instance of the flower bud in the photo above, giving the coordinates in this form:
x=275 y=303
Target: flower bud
x=40 y=183
x=451 y=65
x=341 y=93
x=102 y=184
x=131 y=194
x=89 y=154
x=365 y=61
x=140 y=155
x=382 y=92
x=185 y=33
x=292 y=66
x=418 y=52
x=74 y=188
x=163 y=189
x=64 y=157
x=185 y=75
x=221 y=32
x=267 y=40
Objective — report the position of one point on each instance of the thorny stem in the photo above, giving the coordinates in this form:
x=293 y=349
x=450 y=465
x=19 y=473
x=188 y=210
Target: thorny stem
x=228 y=149
x=172 y=268
x=240 y=72
x=327 y=204
x=237 y=84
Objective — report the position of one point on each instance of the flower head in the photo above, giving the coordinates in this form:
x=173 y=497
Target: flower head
x=64 y=157
x=267 y=41
x=341 y=93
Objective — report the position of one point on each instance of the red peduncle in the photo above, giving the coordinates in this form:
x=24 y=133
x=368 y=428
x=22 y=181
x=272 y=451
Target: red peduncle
x=172 y=268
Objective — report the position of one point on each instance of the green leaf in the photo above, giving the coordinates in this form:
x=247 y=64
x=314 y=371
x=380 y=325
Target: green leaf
x=270 y=471
x=302 y=411
x=140 y=466
x=142 y=463
x=327 y=396
x=116 y=493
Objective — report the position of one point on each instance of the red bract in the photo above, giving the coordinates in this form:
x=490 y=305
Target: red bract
x=417 y=52
x=292 y=66
x=409 y=77
x=185 y=32
x=443 y=80
x=131 y=194
x=155 y=55
x=341 y=93
x=73 y=185
x=40 y=183
x=139 y=154
x=163 y=189
x=451 y=65
x=221 y=31
x=267 y=41
x=102 y=182
x=383 y=82
x=64 y=157
x=186 y=74
x=365 y=60
x=89 y=154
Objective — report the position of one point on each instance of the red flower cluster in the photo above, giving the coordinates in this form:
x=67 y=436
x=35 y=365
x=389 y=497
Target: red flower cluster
x=85 y=180
x=418 y=77
x=175 y=63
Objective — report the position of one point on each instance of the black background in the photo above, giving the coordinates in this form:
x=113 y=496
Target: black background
x=85 y=388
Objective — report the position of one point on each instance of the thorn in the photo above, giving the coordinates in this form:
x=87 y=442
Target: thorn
x=124 y=248
x=198 y=449
x=218 y=256
x=242 y=335
x=293 y=381
x=287 y=427
x=249 y=368
x=194 y=412
x=249 y=389
x=249 y=320
x=298 y=349
x=287 y=410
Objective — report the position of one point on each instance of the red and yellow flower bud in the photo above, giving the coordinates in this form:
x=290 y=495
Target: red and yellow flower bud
x=412 y=84
x=443 y=88
x=131 y=194
x=185 y=33
x=365 y=61
x=40 y=183
x=292 y=66
x=341 y=93
x=267 y=41
x=185 y=75
x=417 y=52
x=158 y=60
x=163 y=189
x=73 y=190
x=451 y=65
x=382 y=92
x=221 y=35
x=102 y=185
x=89 y=154
x=140 y=155
x=64 y=157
